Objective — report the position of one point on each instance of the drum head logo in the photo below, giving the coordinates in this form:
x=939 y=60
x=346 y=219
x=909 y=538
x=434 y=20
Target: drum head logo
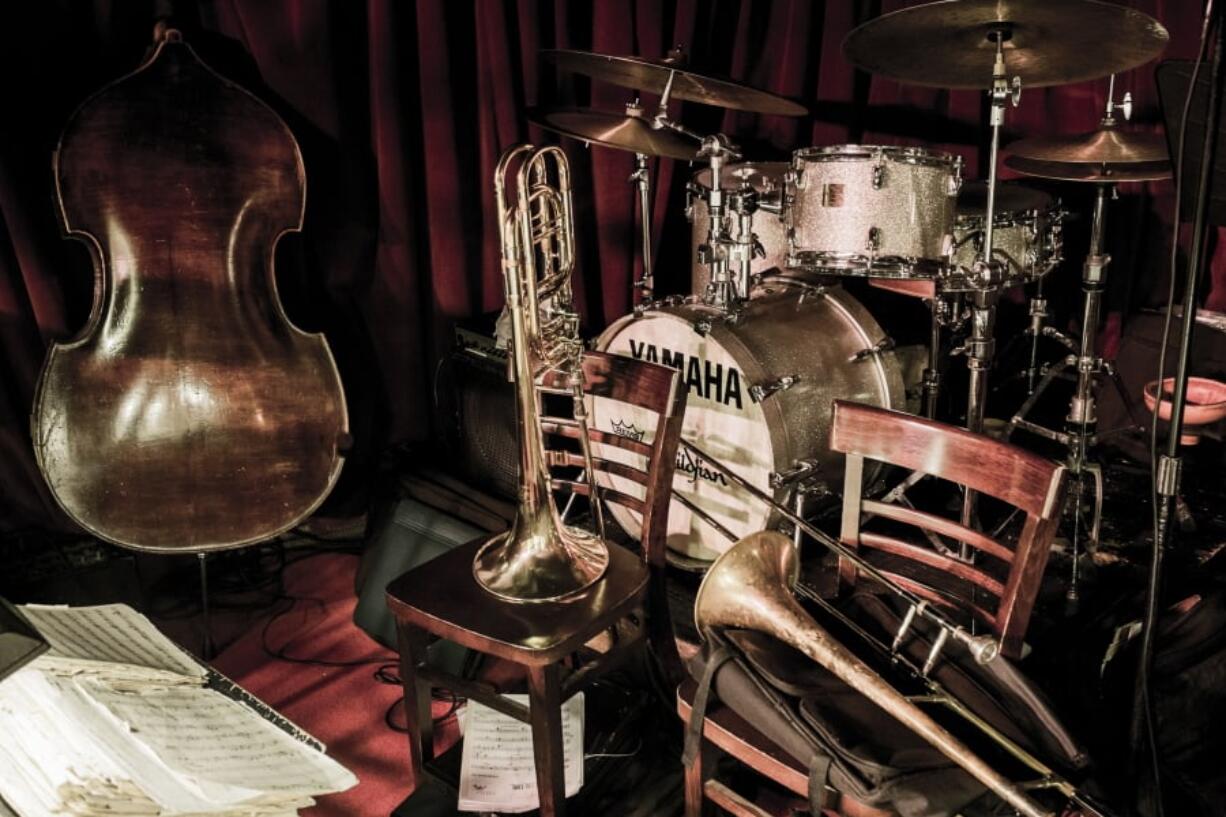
x=628 y=430
x=710 y=381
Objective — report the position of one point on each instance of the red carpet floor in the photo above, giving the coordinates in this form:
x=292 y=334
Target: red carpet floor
x=341 y=706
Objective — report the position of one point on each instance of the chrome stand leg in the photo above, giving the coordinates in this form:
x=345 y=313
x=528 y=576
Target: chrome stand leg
x=642 y=179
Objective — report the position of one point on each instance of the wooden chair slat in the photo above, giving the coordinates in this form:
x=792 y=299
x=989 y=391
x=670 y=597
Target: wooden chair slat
x=608 y=494
x=925 y=556
x=990 y=467
x=941 y=525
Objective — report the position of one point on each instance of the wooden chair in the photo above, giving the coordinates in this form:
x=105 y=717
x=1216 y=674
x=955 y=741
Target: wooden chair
x=441 y=598
x=1032 y=484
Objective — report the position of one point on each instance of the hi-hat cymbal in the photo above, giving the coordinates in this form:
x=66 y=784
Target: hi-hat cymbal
x=649 y=75
x=1107 y=145
x=614 y=130
x=946 y=44
x=1098 y=173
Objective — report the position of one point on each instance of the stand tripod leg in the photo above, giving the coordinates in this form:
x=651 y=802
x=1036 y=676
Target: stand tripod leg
x=1130 y=405
x=1019 y=419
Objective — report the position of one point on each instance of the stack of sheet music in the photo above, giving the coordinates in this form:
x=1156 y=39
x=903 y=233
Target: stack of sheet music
x=116 y=720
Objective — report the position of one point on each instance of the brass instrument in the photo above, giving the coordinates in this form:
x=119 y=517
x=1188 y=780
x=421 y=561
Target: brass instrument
x=750 y=587
x=540 y=559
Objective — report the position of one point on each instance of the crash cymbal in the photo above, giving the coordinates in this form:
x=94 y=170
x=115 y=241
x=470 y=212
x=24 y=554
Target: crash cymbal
x=1107 y=145
x=946 y=44
x=1080 y=172
x=614 y=130
x=643 y=74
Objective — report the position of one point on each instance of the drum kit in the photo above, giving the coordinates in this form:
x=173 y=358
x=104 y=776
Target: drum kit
x=769 y=335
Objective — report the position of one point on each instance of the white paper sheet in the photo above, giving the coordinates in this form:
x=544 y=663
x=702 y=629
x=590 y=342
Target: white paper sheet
x=113 y=633
x=497 y=770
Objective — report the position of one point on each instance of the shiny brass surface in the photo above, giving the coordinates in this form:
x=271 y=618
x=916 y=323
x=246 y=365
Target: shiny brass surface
x=651 y=76
x=1047 y=42
x=749 y=587
x=1095 y=173
x=1105 y=146
x=624 y=132
x=189 y=414
x=540 y=559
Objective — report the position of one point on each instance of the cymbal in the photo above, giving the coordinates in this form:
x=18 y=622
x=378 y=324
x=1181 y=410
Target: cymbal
x=1080 y=172
x=619 y=131
x=946 y=44
x=1107 y=145
x=643 y=74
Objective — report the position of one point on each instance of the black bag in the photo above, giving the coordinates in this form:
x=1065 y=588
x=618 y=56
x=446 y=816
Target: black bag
x=850 y=743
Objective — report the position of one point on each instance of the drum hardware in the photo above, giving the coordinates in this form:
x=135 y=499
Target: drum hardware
x=751 y=586
x=886 y=344
x=761 y=391
x=1097 y=154
x=540 y=559
x=761 y=378
x=1046 y=47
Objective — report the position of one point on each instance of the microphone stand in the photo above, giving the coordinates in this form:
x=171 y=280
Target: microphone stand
x=1170 y=464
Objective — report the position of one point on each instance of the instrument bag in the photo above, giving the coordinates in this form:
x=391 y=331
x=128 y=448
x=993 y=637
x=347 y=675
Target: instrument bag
x=854 y=746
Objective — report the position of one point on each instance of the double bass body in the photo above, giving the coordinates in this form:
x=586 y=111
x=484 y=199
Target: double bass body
x=189 y=414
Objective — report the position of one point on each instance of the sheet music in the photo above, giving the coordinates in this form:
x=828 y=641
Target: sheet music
x=497 y=770
x=106 y=739
x=107 y=633
x=221 y=742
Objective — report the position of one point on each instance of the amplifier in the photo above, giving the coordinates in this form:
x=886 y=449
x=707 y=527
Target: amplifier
x=475 y=407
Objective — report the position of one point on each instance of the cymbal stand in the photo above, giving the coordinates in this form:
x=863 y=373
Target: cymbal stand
x=987 y=272
x=641 y=178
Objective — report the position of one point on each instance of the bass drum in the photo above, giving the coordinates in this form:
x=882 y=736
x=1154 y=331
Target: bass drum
x=740 y=409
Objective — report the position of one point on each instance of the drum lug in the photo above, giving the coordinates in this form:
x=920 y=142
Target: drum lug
x=874 y=239
x=801 y=469
x=881 y=346
x=760 y=391
x=879 y=175
x=955 y=180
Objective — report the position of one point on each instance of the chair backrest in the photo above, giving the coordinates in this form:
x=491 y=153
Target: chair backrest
x=648 y=386
x=1032 y=484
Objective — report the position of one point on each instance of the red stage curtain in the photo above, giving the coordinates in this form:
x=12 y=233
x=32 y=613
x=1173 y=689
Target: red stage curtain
x=402 y=110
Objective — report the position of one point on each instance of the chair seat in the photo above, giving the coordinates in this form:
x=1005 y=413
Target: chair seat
x=442 y=597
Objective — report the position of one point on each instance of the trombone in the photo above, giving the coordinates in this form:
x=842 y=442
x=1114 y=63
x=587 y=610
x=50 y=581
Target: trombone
x=750 y=586
x=540 y=559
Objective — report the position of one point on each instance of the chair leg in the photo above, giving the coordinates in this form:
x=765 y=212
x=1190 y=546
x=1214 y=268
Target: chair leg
x=545 y=713
x=418 y=720
x=693 y=788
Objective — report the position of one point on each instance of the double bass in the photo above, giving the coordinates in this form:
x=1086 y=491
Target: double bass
x=189 y=414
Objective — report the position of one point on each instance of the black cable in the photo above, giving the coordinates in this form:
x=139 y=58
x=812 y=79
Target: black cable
x=1155 y=576
x=281 y=654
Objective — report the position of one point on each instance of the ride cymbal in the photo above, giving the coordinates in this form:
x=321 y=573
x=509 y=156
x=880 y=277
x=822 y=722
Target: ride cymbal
x=619 y=131
x=949 y=44
x=643 y=74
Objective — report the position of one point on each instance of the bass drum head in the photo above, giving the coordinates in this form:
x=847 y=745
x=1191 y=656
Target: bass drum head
x=779 y=335
x=720 y=418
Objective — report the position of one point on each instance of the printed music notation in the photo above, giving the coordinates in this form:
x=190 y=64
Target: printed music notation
x=102 y=736
x=497 y=767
